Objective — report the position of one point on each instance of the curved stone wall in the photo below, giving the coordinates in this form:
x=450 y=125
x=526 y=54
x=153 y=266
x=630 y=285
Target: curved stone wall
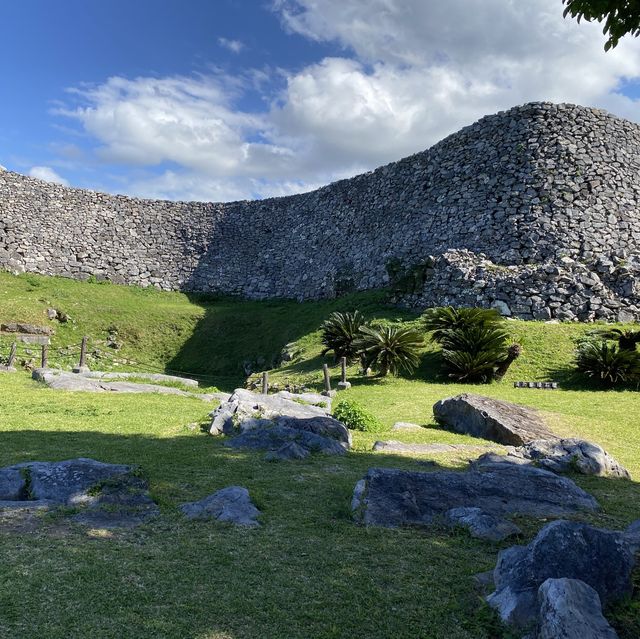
x=525 y=189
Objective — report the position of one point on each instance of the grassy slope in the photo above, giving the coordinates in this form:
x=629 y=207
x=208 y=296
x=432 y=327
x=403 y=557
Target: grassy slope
x=308 y=571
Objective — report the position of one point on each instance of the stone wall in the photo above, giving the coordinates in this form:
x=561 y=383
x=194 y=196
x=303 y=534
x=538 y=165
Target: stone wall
x=525 y=207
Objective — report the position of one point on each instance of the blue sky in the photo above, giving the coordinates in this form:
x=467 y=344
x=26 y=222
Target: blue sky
x=234 y=99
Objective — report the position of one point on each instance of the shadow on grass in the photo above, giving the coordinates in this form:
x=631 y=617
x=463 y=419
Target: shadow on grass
x=175 y=578
x=235 y=336
x=570 y=379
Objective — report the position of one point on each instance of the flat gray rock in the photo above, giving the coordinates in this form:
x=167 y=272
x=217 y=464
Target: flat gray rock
x=391 y=497
x=570 y=609
x=562 y=549
x=108 y=495
x=392 y=446
x=566 y=455
x=61 y=380
x=231 y=504
x=269 y=422
x=272 y=438
x=153 y=377
x=493 y=419
x=480 y=524
x=405 y=426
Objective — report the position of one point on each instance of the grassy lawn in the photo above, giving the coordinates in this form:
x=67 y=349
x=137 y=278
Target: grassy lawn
x=308 y=571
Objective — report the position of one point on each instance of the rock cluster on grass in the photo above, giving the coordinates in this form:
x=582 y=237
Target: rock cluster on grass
x=493 y=419
x=524 y=431
x=93 y=382
x=276 y=422
x=232 y=504
x=566 y=455
x=558 y=582
x=489 y=492
x=105 y=495
x=533 y=209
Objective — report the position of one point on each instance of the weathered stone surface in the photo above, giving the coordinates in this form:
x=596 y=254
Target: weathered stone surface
x=68 y=482
x=601 y=558
x=493 y=419
x=152 y=377
x=392 y=446
x=269 y=422
x=531 y=209
x=108 y=495
x=13 y=485
x=632 y=536
x=481 y=524
x=391 y=497
x=272 y=437
x=564 y=455
x=232 y=504
x=287 y=452
x=88 y=382
x=570 y=609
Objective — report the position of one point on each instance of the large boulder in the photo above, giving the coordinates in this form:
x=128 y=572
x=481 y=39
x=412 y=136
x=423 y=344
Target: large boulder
x=391 y=497
x=269 y=422
x=107 y=495
x=231 y=504
x=562 y=549
x=565 y=455
x=570 y=609
x=492 y=419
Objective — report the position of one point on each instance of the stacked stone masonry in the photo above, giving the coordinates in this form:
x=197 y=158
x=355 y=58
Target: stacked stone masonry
x=535 y=210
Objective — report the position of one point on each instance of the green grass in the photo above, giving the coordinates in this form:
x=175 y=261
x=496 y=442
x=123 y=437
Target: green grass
x=308 y=571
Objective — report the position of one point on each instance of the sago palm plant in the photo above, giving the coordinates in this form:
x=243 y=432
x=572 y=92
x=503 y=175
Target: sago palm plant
x=390 y=349
x=608 y=363
x=339 y=331
x=627 y=338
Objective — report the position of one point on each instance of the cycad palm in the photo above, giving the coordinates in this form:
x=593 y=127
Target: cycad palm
x=339 y=331
x=390 y=349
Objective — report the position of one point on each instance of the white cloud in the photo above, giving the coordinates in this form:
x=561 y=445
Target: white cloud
x=422 y=70
x=235 y=46
x=47 y=174
x=405 y=74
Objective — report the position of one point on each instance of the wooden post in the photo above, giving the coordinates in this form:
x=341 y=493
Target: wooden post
x=265 y=383
x=343 y=384
x=82 y=366
x=45 y=356
x=83 y=352
x=327 y=392
x=12 y=355
x=327 y=377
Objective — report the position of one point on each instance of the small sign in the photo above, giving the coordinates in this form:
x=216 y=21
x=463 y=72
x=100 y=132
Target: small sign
x=543 y=385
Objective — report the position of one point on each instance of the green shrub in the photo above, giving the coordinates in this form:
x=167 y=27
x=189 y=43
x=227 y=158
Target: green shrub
x=474 y=341
x=339 y=331
x=354 y=417
x=627 y=338
x=608 y=363
x=389 y=349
